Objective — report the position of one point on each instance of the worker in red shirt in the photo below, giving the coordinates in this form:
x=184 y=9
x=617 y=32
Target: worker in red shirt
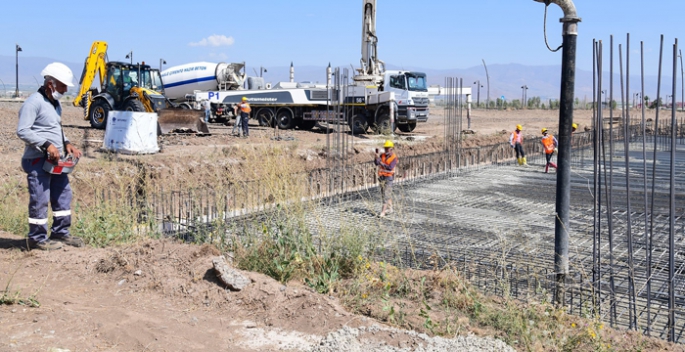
x=550 y=143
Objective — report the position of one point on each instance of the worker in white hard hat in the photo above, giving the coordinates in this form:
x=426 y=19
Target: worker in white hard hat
x=244 y=115
x=386 y=163
x=40 y=127
x=516 y=142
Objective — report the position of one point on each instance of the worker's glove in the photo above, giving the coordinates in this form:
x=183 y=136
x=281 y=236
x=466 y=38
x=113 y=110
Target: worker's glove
x=556 y=150
x=512 y=145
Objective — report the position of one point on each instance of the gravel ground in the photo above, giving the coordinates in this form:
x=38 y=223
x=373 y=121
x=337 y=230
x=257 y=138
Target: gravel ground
x=363 y=339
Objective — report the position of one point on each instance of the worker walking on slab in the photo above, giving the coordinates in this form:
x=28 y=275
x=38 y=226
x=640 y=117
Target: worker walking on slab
x=386 y=163
x=516 y=141
x=550 y=144
x=40 y=128
x=245 y=110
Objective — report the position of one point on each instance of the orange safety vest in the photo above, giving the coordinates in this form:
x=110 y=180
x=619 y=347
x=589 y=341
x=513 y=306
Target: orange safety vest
x=381 y=170
x=548 y=143
x=245 y=107
x=517 y=138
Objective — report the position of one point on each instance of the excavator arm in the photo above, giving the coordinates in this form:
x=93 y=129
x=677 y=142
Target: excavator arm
x=95 y=64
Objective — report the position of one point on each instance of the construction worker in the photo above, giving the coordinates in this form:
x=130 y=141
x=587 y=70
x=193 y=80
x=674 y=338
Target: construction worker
x=516 y=141
x=550 y=144
x=574 y=127
x=244 y=108
x=386 y=171
x=208 y=109
x=40 y=127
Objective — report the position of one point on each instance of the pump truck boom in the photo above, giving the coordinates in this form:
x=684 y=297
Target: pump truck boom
x=128 y=87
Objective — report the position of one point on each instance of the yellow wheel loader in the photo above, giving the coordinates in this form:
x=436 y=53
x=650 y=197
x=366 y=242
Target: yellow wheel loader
x=129 y=87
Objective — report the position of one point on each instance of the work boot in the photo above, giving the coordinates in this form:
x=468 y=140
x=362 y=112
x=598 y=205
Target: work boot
x=546 y=168
x=518 y=160
x=46 y=245
x=524 y=162
x=70 y=241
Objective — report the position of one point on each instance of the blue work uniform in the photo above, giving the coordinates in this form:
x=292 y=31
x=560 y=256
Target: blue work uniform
x=39 y=127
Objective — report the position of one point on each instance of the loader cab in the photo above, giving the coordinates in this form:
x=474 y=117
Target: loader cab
x=121 y=77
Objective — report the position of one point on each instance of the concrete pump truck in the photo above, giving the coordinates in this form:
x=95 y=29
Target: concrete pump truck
x=379 y=100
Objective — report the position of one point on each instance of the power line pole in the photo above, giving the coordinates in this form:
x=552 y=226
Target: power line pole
x=487 y=76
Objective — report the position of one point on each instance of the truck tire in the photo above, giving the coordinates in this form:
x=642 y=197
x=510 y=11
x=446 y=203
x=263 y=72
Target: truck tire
x=409 y=127
x=134 y=105
x=98 y=114
x=306 y=125
x=265 y=117
x=285 y=118
x=383 y=125
x=359 y=124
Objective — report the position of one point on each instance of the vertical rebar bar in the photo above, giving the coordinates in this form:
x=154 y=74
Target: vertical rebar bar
x=626 y=149
x=648 y=249
x=654 y=162
x=610 y=210
x=671 y=208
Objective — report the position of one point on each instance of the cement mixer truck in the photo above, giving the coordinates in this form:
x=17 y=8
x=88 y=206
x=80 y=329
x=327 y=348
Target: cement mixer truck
x=181 y=82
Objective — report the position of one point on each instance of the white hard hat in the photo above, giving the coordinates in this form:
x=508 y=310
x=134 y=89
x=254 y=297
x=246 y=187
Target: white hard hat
x=60 y=72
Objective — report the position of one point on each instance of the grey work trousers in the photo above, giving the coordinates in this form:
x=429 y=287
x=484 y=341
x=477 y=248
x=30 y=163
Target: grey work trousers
x=44 y=189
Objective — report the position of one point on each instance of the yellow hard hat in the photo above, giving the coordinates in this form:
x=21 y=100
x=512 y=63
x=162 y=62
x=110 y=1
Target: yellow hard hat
x=244 y=98
x=575 y=125
x=544 y=130
x=388 y=144
x=519 y=127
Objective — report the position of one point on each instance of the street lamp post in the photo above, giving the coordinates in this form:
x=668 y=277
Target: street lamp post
x=130 y=56
x=478 y=87
x=605 y=97
x=16 y=92
x=161 y=61
x=524 y=95
x=261 y=71
x=4 y=90
x=667 y=98
x=636 y=100
x=682 y=82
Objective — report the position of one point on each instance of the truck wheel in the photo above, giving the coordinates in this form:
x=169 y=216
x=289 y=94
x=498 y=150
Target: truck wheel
x=98 y=114
x=306 y=125
x=359 y=124
x=285 y=119
x=410 y=127
x=383 y=125
x=265 y=117
x=134 y=105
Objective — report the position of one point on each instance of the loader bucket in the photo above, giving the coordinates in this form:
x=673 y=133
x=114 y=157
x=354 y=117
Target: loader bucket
x=178 y=120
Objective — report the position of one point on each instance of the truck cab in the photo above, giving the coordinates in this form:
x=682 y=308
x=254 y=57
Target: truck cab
x=411 y=95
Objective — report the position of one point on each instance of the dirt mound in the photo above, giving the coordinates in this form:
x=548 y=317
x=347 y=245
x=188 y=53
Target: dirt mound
x=157 y=295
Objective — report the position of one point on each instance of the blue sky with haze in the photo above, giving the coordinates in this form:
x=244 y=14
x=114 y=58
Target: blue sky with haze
x=433 y=34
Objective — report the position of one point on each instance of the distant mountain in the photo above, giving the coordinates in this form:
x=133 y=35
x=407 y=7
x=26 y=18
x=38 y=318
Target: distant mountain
x=505 y=80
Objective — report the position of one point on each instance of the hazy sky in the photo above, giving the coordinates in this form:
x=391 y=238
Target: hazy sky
x=436 y=34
